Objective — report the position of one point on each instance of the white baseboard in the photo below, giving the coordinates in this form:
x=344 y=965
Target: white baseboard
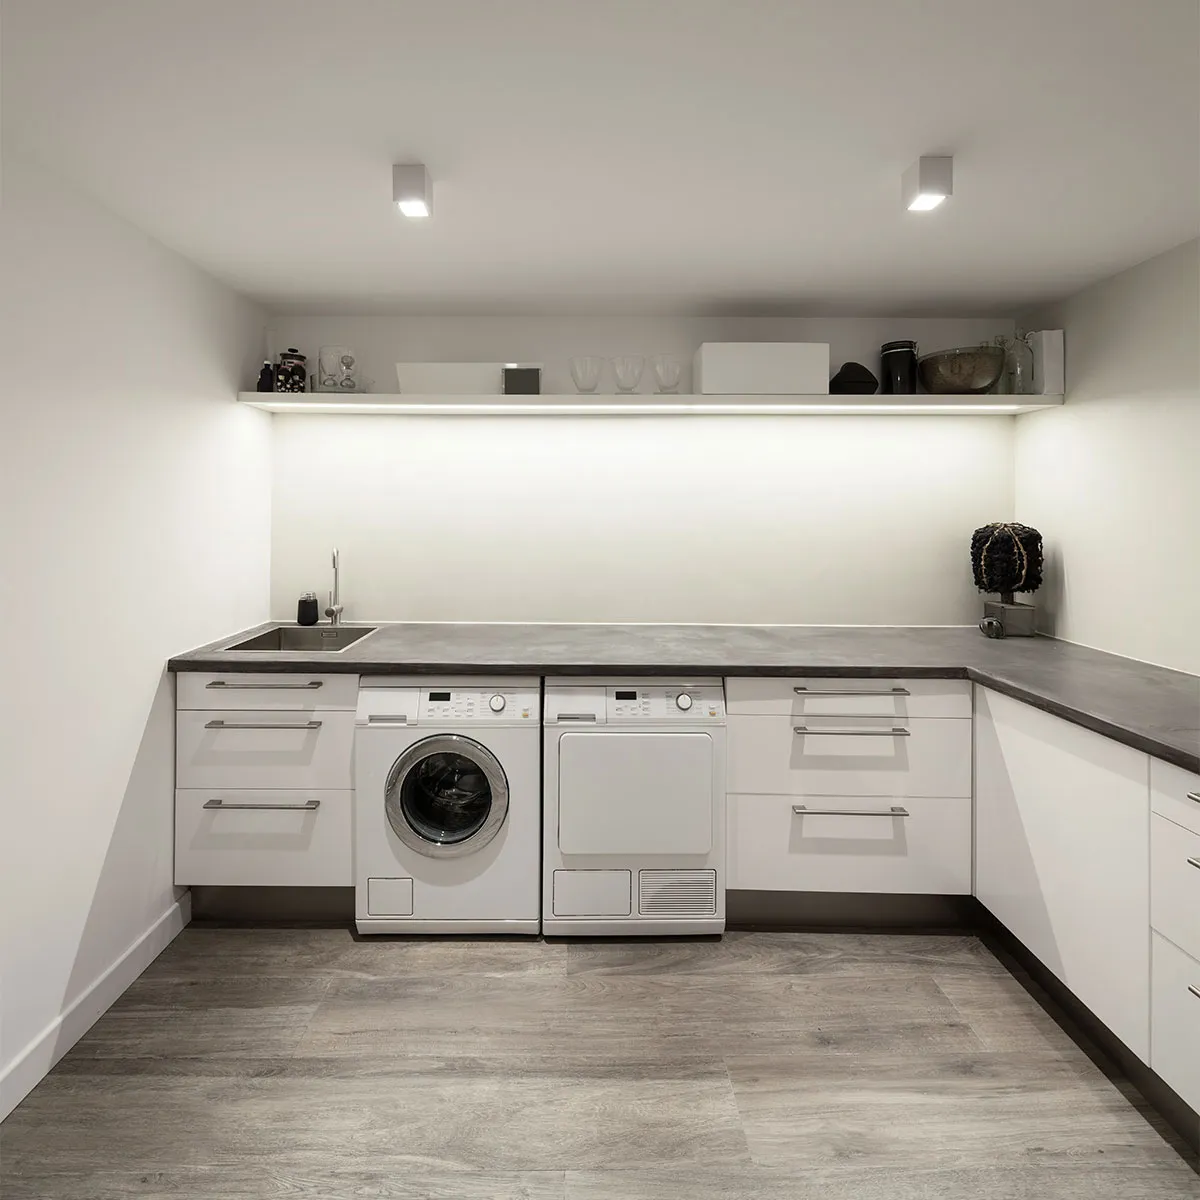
x=32 y=1064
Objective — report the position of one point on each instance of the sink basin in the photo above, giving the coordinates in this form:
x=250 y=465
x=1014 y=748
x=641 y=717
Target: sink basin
x=328 y=638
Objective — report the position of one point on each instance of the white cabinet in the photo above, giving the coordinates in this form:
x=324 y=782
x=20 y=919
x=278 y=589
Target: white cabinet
x=261 y=748
x=849 y=785
x=293 y=838
x=918 y=846
x=1175 y=1047
x=1062 y=854
x=264 y=779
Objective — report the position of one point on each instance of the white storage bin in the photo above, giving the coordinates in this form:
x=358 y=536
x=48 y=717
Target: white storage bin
x=762 y=369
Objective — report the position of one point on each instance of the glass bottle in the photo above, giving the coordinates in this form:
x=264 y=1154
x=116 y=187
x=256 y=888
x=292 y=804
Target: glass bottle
x=1019 y=366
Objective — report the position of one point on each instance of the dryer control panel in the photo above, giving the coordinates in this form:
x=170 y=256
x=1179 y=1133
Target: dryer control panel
x=648 y=702
x=678 y=702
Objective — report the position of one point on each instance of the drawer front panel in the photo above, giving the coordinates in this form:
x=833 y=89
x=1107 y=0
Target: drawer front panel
x=1175 y=794
x=302 y=840
x=860 y=756
x=260 y=749
x=869 y=849
x=1175 y=1018
x=849 y=697
x=1175 y=883
x=294 y=691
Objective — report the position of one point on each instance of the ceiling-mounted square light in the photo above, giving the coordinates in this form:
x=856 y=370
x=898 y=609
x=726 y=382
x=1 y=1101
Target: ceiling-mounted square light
x=411 y=189
x=927 y=183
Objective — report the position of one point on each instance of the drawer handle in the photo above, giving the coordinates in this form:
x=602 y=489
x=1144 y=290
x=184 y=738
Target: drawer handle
x=262 y=725
x=1194 y=796
x=1194 y=862
x=895 y=731
x=577 y=717
x=222 y=683
x=1194 y=990
x=896 y=691
x=802 y=810
x=307 y=806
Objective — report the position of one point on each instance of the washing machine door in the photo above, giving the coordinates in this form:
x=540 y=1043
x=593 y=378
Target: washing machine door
x=446 y=796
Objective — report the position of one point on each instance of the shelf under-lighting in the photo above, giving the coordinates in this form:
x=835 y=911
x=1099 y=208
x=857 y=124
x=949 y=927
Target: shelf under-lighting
x=649 y=405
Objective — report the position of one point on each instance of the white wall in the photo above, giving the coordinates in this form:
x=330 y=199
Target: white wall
x=843 y=520
x=1111 y=479
x=135 y=502
x=852 y=520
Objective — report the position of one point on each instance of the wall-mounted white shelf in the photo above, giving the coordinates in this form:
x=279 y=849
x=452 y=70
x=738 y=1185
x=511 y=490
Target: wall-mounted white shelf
x=649 y=405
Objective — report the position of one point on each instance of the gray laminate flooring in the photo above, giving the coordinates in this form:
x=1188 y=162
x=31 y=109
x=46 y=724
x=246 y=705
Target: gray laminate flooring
x=305 y=1063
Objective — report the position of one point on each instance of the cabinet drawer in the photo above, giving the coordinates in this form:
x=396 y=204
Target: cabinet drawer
x=296 y=838
x=774 y=848
x=859 y=756
x=262 y=749
x=1175 y=794
x=300 y=690
x=849 y=697
x=1175 y=1019
x=1175 y=883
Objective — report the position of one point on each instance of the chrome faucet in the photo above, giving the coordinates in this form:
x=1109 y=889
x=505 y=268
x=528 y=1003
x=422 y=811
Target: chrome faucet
x=334 y=611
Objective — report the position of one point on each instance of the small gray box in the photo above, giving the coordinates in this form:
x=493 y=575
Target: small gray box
x=1019 y=620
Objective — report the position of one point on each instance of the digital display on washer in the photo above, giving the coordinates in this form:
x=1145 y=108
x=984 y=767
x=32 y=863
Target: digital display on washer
x=439 y=696
x=627 y=695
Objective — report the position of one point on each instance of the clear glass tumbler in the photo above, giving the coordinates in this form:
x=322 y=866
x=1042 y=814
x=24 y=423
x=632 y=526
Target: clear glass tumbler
x=667 y=369
x=585 y=372
x=628 y=370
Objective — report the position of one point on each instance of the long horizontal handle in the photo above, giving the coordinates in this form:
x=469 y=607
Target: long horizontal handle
x=1194 y=796
x=1194 y=990
x=1194 y=862
x=291 y=687
x=576 y=716
x=896 y=691
x=895 y=731
x=263 y=725
x=307 y=806
x=802 y=810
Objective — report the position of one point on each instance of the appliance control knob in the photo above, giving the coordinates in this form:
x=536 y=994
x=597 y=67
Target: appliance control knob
x=496 y=703
x=683 y=701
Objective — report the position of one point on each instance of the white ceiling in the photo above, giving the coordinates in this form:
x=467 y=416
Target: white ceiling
x=704 y=155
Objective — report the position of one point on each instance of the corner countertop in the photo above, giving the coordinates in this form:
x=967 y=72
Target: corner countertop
x=1150 y=708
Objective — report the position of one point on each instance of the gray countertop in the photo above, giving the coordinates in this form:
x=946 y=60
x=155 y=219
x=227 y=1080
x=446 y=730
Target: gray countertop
x=1150 y=708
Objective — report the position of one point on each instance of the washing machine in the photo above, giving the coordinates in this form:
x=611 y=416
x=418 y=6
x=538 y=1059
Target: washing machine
x=447 y=806
x=634 y=813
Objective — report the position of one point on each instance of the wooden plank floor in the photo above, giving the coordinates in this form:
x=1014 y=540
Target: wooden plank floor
x=307 y=1063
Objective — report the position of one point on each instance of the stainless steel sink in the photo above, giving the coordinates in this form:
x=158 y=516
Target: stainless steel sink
x=328 y=638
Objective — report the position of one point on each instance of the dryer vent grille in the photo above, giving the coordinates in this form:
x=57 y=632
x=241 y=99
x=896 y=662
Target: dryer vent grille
x=677 y=893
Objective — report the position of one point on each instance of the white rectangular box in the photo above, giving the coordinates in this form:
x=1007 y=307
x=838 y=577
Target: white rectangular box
x=1049 y=368
x=762 y=369
x=450 y=379
x=298 y=691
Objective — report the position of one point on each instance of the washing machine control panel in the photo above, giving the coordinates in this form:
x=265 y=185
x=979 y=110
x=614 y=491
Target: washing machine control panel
x=678 y=702
x=487 y=705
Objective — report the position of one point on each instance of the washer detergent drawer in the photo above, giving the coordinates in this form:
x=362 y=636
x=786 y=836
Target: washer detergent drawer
x=635 y=793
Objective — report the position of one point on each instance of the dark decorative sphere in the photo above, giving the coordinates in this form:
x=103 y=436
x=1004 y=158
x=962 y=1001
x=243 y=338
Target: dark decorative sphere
x=1007 y=558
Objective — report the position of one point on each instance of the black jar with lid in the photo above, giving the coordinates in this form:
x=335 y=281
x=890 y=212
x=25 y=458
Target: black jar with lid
x=898 y=368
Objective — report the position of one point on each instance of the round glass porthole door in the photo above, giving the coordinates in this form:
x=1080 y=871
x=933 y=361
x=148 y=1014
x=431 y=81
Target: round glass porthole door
x=446 y=796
